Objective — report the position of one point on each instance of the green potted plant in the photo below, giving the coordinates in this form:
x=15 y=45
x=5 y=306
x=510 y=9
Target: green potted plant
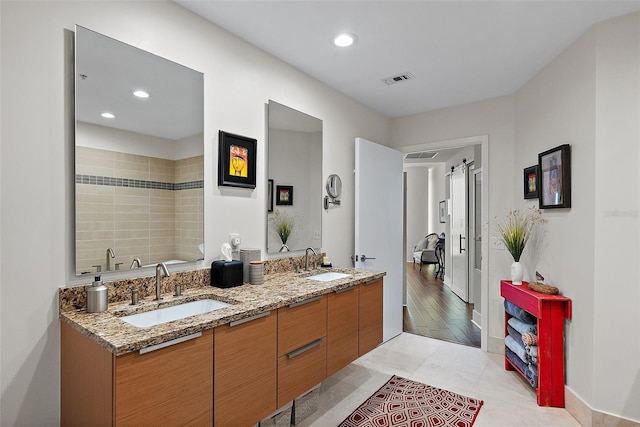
x=515 y=231
x=283 y=223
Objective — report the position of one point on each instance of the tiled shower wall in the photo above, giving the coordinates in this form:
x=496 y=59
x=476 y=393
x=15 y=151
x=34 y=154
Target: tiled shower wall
x=141 y=207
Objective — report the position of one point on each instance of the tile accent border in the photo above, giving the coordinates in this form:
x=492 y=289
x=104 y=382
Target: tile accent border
x=137 y=183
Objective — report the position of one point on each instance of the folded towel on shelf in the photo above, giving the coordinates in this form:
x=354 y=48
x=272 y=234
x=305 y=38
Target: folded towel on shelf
x=531 y=373
x=518 y=349
x=515 y=334
x=518 y=312
x=530 y=339
x=515 y=360
x=532 y=350
x=522 y=327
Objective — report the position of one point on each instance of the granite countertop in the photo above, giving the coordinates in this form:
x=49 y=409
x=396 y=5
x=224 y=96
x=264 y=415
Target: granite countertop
x=278 y=290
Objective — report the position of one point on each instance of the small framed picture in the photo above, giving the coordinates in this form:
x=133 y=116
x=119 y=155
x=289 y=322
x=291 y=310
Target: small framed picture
x=284 y=195
x=236 y=160
x=270 y=196
x=531 y=182
x=555 y=177
x=442 y=211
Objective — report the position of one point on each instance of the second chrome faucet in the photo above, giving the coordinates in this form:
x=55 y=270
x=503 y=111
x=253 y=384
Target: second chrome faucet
x=161 y=269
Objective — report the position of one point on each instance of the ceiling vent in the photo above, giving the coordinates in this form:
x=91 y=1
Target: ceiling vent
x=399 y=78
x=421 y=155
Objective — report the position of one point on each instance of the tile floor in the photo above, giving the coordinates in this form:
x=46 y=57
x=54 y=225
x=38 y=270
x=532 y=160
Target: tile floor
x=508 y=400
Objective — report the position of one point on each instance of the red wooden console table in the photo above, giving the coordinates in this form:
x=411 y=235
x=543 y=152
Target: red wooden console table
x=550 y=310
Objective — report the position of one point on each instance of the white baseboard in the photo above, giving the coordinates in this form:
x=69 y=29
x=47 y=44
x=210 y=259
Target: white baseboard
x=589 y=417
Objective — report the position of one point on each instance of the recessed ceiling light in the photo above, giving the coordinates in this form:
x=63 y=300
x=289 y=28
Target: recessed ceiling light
x=344 y=40
x=108 y=115
x=140 y=94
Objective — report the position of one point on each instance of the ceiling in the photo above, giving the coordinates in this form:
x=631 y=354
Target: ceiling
x=458 y=51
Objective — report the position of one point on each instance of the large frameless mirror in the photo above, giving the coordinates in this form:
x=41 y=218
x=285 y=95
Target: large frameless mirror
x=294 y=199
x=139 y=148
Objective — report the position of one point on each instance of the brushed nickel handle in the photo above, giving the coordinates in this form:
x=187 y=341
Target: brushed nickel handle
x=307 y=301
x=304 y=348
x=346 y=289
x=363 y=257
x=170 y=343
x=249 y=319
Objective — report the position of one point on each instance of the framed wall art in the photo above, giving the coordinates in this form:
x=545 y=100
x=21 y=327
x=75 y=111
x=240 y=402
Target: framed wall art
x=236 y=160
x=555 y=177
x=531 y=182
x=284 y=195
x=442 y=210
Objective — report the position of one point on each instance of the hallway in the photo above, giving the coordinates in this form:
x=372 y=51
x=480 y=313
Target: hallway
x=434 y=311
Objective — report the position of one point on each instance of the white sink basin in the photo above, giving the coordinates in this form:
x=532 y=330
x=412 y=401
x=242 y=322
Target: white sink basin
x=176 y=312
x=329 y=276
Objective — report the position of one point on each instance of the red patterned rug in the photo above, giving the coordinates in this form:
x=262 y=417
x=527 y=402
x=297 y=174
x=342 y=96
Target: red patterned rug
x=402 y=402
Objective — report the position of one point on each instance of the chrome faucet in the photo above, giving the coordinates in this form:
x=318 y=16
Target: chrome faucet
x=136 y=263
x=110 y=255
x=160 y=269
x=306 y=257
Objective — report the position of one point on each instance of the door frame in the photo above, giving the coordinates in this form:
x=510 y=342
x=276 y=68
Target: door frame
x=483 y=141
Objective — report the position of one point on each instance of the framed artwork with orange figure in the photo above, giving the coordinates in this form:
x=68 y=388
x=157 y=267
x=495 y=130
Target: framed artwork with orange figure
x=236 y=160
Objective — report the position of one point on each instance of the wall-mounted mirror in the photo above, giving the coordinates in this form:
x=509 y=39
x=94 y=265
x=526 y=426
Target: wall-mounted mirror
x=334 y=190
x=295 y=179
x=139 y=148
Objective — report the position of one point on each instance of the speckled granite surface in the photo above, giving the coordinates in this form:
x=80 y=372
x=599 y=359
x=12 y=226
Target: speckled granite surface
x=119 y=337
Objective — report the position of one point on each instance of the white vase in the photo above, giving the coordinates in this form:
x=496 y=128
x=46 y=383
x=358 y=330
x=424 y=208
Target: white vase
x=516 y=273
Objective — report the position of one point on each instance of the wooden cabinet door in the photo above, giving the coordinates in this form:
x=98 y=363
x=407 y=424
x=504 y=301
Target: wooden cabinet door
x=369 y=316
x=301 y=370
x=342 y=329
x=301 y=323
x=169 y=386
x=245 y=371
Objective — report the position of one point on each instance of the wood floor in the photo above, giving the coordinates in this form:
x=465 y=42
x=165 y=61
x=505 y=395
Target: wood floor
x=434 y=311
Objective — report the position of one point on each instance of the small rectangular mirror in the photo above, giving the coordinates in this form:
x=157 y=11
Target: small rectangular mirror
x=294 y=180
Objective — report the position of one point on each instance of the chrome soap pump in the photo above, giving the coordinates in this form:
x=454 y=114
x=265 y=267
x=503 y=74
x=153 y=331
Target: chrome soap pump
x=97 y=296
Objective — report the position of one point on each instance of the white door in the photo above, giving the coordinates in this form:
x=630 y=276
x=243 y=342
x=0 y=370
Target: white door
x=459 y=261
x=475 y=247
x=378 y=224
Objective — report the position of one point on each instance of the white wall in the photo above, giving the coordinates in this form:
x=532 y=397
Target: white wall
x=417 y=206
x=437 y=183
x=616 y=300
x=36 y=162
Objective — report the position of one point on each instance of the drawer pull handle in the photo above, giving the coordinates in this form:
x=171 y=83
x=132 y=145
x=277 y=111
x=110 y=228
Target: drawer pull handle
x=170 y=343
x=346 y=289
x=249 y=319
x=304 y=348
x=307 y=301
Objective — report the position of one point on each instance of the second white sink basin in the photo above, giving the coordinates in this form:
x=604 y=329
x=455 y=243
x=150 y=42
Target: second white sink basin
x=329 y=276
x=176 y=312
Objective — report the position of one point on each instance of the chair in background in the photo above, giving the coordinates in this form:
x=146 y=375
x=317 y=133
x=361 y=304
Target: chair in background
x=424 y=252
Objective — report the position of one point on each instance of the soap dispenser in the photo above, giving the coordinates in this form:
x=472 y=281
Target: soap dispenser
x=96 y=296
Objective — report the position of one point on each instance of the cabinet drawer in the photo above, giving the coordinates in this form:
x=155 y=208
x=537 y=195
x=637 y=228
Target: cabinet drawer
x=301 y=324
x=245 y=371
x=169 y=386
x=301 y=371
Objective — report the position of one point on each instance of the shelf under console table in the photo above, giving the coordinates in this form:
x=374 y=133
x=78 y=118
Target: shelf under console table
x=550 y=312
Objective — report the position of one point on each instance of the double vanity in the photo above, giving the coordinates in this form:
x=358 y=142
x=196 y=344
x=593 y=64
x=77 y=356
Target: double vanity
x=212 y=356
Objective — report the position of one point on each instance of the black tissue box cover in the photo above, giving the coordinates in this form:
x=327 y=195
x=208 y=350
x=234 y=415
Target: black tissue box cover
x=226 y=274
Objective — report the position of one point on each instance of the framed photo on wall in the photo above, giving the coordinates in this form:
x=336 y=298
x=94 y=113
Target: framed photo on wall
x=236 y=160
x=284 y=195
x=531 y=182
x=555 y=177
x=442 y=211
